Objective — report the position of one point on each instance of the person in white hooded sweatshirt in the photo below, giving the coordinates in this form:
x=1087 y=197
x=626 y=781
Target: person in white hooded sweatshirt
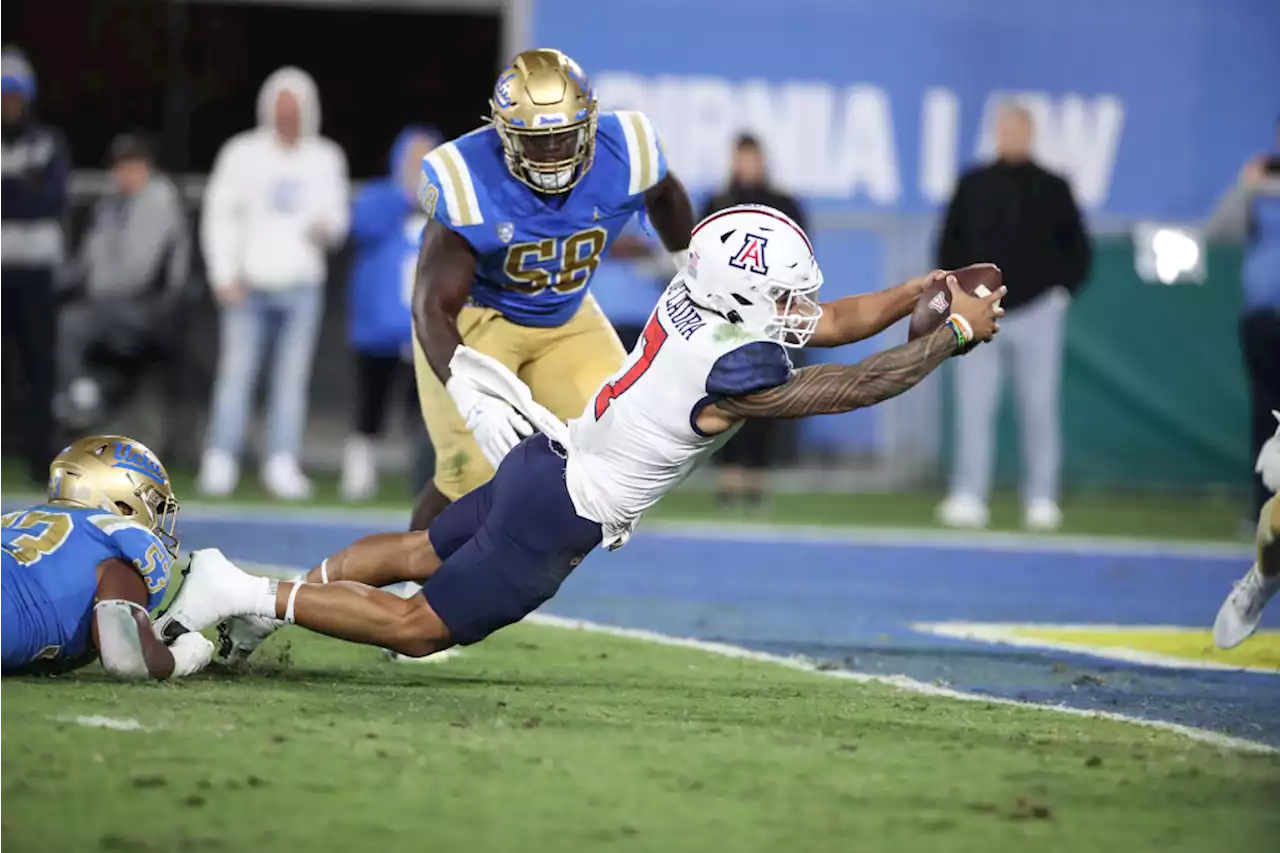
x=276 y=201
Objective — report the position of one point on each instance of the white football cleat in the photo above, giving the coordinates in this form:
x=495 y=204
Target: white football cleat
x=1242 y=611
x=213 y=589
x=961 y=510
x=1042 y=515
x=240 y=636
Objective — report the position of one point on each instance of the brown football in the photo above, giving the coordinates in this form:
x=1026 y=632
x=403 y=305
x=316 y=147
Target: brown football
x=934 y=305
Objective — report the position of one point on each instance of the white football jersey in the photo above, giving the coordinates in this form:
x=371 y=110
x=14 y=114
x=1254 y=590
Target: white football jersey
x=637 y=440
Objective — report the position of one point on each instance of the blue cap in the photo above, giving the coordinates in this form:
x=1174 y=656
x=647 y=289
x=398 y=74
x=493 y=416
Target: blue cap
x=16 y=76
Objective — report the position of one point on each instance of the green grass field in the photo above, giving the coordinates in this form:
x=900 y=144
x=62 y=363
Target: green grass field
x=547 y=739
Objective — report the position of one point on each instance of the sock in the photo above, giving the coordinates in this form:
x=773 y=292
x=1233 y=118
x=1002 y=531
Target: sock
x=264 y=603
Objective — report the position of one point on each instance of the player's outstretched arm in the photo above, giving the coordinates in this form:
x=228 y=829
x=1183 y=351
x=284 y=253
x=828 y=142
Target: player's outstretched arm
x=856 y=318
x=441 y=286
x=671 y=212
x=122 y=632
x=831 y=388
x=827 y=389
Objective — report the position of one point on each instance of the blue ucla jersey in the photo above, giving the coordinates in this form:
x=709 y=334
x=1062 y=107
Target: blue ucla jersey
x=50 y=582
x=535 y=253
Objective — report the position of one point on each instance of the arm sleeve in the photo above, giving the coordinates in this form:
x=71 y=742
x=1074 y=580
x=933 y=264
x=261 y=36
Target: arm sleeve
x=337 y=197
x=1077 y=252
x=1229 y=222
x=220 y=227
x=646 y=159
x=49 y=189
x=119 y=644
x=375 y=213
x=42 y=195
x=447 y=193
x=153 y=233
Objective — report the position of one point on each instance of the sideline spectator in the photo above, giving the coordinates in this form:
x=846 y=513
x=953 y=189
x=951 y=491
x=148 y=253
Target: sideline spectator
x=127 y=280
x=386 y=228
x=1250 y=214
x=744 y=462
x=276 y=201
x=36 y=164
x=1017 y=215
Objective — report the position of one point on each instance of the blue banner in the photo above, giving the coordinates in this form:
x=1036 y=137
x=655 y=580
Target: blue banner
x=1149 y=107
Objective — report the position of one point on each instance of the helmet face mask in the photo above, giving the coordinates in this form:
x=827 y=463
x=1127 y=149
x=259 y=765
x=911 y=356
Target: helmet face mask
x=545 y=113
x=755 y=267
x=120 y=476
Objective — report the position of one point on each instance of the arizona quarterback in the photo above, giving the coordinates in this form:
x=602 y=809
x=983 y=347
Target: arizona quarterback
x=521 y=212
x=713 y=355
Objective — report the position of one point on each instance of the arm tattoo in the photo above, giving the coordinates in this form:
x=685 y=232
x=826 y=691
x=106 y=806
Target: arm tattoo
x=828 y=389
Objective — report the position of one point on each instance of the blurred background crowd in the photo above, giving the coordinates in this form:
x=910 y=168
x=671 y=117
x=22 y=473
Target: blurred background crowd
x=209 y=229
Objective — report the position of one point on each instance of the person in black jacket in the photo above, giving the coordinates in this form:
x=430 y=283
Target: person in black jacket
x=744 y=461
x=36 y=166
x=1017 y=215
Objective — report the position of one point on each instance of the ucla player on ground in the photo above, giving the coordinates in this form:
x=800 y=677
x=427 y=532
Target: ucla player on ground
x=522 y=211
x=713 y=354
x=81 y=571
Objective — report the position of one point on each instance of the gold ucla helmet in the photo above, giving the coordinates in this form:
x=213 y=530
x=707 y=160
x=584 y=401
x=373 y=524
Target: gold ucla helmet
x=118 y=475
x=545 y=113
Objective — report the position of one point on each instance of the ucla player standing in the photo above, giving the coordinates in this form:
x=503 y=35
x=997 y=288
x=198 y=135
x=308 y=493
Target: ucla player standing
x=81 y=572
x=522 y=211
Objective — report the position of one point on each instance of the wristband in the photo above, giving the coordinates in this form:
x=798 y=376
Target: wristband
x=963 y=331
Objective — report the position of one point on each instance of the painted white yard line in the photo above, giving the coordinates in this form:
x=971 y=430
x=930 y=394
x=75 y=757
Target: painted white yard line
x=901 y=682
x=1007 y=634
x=114 y=723
x=732 y=532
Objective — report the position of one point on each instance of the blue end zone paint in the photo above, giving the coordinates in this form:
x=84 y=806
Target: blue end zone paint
x=850 y=602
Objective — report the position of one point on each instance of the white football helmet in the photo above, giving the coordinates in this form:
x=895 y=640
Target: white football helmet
x=754 y=266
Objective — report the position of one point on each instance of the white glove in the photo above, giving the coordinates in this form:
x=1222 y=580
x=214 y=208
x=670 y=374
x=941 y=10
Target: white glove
x=497 y=427
x=1269 y=460
x=191 y=653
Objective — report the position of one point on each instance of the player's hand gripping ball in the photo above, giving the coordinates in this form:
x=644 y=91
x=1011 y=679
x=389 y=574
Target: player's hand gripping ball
x=934 y=304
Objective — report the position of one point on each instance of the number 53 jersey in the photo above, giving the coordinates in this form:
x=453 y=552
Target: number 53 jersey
x=535 y=253
x=49 y=581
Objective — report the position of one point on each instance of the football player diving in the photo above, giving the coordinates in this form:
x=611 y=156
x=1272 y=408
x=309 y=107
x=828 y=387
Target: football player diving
x=82 y=571
x=713 y=355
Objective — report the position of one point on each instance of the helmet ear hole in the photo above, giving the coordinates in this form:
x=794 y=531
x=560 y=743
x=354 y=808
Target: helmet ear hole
x=742 y=300
x=124 y=508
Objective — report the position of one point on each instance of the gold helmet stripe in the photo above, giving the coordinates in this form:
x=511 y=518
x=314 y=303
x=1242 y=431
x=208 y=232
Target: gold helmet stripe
x=642 y=150
x=455 y=180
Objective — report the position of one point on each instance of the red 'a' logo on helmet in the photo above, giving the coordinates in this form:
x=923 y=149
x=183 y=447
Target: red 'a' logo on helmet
x=751 y=256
